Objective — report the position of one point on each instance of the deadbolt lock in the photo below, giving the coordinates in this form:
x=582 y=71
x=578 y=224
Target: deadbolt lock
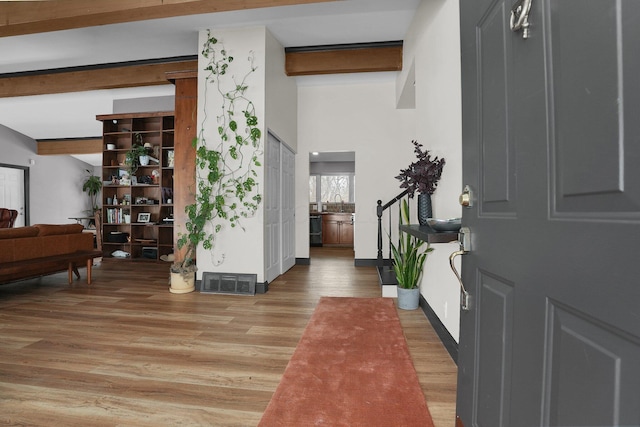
x=466 y=198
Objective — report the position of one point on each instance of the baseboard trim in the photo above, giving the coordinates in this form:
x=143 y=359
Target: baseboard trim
x=303 y=261
x=447 y=340
x=262 y=288
x=364 y=262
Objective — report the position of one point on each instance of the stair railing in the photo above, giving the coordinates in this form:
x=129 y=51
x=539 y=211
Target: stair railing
x=380 y=209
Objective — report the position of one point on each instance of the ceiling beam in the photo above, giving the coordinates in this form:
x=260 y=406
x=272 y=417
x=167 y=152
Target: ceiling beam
x=55 y=147
x=81 y=79
x=18 y=18
x=302 y=61
x=356 y=59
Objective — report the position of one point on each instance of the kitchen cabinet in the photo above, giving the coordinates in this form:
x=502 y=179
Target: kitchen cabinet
x=337 y=229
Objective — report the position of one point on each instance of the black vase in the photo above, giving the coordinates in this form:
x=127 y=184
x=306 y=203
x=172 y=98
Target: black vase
x=424 y=208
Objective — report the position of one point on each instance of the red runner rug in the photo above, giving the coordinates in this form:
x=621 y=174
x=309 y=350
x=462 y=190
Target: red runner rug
x=351 y=368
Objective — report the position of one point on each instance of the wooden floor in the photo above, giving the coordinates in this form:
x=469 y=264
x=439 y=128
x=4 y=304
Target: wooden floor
x=126 y=352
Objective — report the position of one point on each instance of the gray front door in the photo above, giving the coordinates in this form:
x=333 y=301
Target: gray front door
x=551 y=151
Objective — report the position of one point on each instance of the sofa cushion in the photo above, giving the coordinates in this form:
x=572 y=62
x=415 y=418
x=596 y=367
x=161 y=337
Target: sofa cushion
x=12 y=233
x=57 y=229
x=60 y=244
x=28 y=248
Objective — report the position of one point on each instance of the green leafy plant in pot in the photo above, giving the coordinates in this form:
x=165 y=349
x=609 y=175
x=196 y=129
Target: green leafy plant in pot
x=132 y=158
x=422 y=176
x=409 y=257
x=226 y=171
x=92 y=186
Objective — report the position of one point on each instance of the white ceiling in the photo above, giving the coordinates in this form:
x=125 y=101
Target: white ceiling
x=72 y=115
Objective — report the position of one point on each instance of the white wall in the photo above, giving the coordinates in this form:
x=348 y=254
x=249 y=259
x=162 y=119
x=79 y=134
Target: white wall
x=55 y=192
x=360 y=116
x=235 y=250
x=433 y=45
x=281 y=113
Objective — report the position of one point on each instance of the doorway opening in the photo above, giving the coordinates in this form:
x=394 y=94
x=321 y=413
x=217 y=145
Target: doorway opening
x=332 y=200
x=14 y=191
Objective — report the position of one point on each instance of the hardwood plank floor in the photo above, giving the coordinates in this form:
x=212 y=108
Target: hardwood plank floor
x=126 y=352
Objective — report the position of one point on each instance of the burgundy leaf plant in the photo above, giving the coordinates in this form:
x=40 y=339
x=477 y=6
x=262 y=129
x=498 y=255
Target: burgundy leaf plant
x=423 y=174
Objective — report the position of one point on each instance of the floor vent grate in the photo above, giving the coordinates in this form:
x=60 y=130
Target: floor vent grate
x=228 y=283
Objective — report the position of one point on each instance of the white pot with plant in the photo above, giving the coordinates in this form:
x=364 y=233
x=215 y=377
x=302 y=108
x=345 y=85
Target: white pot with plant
x=409 y=257
x=137 y=155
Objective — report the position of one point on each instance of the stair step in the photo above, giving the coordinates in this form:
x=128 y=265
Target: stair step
x=387 y=276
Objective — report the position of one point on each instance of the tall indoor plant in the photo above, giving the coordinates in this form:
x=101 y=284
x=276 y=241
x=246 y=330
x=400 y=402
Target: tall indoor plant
x=409 y=257
x=92 y=186
x=226 y=170
x=422 y=176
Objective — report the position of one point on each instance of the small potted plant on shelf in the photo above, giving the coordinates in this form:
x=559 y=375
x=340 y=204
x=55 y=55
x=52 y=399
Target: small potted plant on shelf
x=136 y=156
x=409 y=257
x=92 y=186
x=422 y=176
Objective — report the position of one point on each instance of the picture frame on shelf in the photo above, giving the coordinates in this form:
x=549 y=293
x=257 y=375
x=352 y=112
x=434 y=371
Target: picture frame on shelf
x=144 y=217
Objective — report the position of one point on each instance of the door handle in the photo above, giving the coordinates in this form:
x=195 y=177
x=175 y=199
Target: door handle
x=464 y=237
x=520 y=17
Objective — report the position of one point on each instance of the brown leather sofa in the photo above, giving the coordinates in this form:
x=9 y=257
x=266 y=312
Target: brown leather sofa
x=43 y=249
x=7 y=217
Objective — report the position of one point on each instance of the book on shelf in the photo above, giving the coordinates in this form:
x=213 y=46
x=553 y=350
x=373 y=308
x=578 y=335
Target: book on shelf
x=118 y=216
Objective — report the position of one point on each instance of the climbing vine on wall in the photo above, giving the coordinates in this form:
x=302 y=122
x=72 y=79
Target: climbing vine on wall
x=227 y=160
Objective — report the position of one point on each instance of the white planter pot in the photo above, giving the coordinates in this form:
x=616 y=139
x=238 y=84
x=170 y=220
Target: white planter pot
x=144 y=160
x=408 y=299
x=182 y=285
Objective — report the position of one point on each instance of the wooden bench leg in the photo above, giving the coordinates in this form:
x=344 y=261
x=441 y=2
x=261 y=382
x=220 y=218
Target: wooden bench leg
x=74 y=269
x=89 y=265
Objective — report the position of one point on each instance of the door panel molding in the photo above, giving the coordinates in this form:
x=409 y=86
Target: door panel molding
x=497 y=148
x=493 y=350
x=593 y=126
x=590 y=370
